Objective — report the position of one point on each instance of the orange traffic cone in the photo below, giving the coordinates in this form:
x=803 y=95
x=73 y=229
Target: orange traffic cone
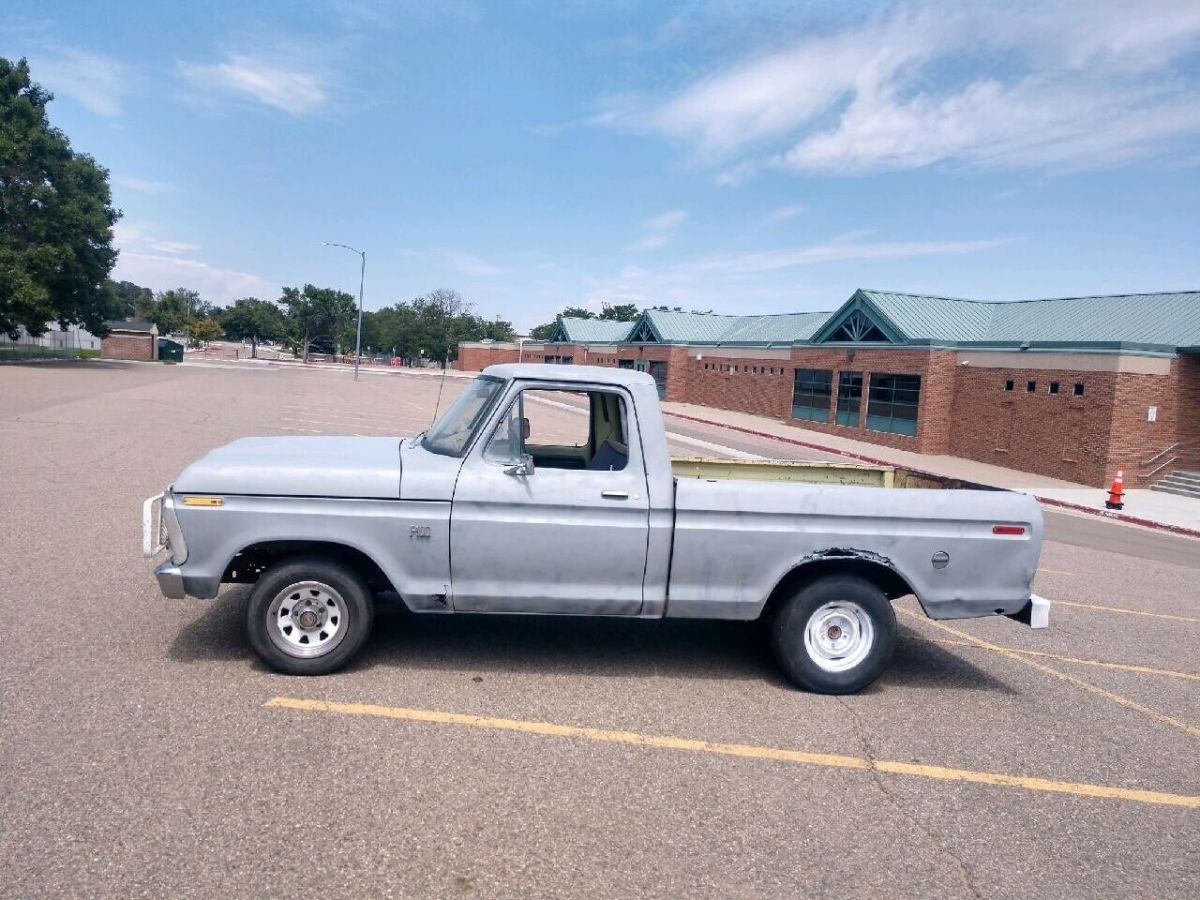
x=1116 y=494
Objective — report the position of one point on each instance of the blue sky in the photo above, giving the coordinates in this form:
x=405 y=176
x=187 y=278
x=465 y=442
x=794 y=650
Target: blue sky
x=717 y=155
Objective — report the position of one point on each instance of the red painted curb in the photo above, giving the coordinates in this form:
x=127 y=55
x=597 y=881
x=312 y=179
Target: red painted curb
x=875 y=461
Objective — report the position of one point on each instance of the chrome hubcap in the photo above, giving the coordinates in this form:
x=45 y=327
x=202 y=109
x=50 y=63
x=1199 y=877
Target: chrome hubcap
x=839 y=636
x=307 y=619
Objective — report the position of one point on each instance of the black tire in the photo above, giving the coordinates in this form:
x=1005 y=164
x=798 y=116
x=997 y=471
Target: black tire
x=340 y=595
x=854 y=600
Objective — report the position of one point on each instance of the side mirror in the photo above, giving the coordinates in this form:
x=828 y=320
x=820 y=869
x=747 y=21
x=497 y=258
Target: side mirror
x=524 y=467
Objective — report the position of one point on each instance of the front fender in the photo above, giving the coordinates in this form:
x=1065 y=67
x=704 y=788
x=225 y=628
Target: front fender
x=408 y=540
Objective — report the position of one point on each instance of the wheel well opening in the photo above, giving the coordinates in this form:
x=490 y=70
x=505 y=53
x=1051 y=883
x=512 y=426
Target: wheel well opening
x=877 y=573
x=252 y=561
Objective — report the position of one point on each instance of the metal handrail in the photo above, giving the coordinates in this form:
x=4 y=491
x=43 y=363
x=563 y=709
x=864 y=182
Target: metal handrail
x=1155 y=471
x=1162 y=452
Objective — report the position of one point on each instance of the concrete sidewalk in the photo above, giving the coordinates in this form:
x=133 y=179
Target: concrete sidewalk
x=1142 y=506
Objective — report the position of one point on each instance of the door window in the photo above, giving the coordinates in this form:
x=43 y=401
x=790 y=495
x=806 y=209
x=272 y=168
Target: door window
x=562 y=429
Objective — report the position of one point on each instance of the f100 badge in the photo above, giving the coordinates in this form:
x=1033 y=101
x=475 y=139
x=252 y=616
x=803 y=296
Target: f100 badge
x=419 y=533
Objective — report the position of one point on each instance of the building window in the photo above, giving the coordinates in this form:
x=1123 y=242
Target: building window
x=811 y=394
x=849 y=398
x=892 y=403
x=1078 y=389
x=1053 y=389
x=1031 y=387
x=1008 y=385
x=625 y=364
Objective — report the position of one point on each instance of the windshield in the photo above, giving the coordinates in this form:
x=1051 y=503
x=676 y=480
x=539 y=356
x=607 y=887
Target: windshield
x=451 y=434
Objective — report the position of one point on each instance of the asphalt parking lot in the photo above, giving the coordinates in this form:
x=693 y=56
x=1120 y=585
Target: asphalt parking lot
x=145 y=751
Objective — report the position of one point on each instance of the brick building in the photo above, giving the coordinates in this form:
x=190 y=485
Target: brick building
x=1073 y=388
x=130 y=340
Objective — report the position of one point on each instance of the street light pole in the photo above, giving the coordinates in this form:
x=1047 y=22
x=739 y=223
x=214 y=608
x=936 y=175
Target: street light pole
x=362 y=276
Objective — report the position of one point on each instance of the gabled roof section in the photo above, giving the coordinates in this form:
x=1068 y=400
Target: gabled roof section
x=569 y=330
x=858 y=321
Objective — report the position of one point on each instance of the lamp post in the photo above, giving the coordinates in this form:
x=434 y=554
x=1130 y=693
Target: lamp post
x=361 y=278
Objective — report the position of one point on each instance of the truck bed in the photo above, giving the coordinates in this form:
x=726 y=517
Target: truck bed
x=784 y=470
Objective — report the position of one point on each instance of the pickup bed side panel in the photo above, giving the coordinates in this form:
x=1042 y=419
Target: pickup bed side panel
x=735 y=541
x=409 y=540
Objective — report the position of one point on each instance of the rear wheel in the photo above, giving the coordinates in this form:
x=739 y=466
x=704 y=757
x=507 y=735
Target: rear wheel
x=308 y=616
x=835 y=636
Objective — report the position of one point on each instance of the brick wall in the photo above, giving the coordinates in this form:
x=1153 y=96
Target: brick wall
x=474 y=358
x=129 y=346
x=1059 y=435
x=1188 y=418
x=748 y=384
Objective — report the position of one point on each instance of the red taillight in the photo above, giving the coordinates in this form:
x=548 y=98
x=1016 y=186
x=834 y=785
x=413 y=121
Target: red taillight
x=1008 y=529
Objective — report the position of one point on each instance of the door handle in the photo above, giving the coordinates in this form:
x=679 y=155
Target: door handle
x=615 y=495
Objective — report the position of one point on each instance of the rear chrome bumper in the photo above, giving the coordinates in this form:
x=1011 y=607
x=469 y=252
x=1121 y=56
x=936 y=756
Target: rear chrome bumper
x=1035 y=613
x=170 y=581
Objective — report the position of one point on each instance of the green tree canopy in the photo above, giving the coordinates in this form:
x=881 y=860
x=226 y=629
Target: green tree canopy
x=620 y=312
x=201 y=331
x=123 y=297
x=323 y=317
x=171 y=310
x=430 y=327
x=56 y=217
x=254 y=320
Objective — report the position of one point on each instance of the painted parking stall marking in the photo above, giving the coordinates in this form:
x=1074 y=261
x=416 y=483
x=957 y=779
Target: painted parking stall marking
x=746 y=751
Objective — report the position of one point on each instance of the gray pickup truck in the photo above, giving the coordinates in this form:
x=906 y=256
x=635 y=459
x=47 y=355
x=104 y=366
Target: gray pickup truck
x=499 y=508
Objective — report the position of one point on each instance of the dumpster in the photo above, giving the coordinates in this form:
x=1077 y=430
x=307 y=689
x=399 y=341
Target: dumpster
x=169 y=350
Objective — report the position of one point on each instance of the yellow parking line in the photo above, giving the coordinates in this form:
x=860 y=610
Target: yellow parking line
x=827 y=760
x=1055 y=571
x=1078 y=682
x=1128 y=612
x=1124 y=667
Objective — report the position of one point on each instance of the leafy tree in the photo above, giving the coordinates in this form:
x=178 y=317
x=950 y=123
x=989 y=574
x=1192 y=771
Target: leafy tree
x=620 y=312
x=430 y=327
x=171 y=310
x=254 y=320
x=201 y=331
x=122 y=298
x=319 y=316
x=56 y=217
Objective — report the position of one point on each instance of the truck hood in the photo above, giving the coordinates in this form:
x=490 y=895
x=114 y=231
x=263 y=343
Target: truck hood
x=361 y=467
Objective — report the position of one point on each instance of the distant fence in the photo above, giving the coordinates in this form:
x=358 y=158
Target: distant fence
x=51 y=345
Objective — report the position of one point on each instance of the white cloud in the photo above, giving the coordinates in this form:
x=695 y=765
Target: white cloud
x=284 y=86
x=848 y=247
x=659 y=230
x=460 y=261
x=142 y=185
x=762 y=278
x=159 y=263
x=784 y=213
x=1077 y=83
x=98 y=83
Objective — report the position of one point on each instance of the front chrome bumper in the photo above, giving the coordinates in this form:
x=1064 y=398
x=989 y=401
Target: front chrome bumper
x=170 y=580
x=1035 y=613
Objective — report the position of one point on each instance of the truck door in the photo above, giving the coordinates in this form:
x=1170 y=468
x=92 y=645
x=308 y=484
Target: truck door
x=550 y=511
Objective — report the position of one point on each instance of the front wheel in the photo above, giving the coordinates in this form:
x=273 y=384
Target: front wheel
x=835 y=636
x=308 y=616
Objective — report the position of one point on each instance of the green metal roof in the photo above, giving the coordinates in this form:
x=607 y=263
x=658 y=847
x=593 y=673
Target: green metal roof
x=591 y=331
x=677 y=327
x=1151 y=323
x=1171 y=320
x=1127 y=321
